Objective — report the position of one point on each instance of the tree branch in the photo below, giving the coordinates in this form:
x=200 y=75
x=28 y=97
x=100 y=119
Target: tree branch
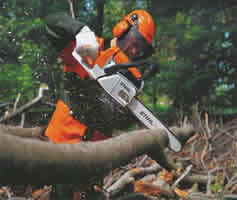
x=129 y=177
x=25 y=160
x=26 y=106
x=71 y=8
x=35 y=132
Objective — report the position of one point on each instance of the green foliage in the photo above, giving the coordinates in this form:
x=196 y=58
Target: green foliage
x=197 y=62
x=217 y=186
x=166 y=113
x=22 y=55
x=191 y=47
x=15 y=79
x=114 y=11
x=113 y=15
x=26 y=58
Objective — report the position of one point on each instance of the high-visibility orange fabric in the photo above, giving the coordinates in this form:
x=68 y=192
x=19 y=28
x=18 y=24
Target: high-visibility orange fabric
x=119 y=57
x=106 y=55
x=63 y=128
x=71 y=64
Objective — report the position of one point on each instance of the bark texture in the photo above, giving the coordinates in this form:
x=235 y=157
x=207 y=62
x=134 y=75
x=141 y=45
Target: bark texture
x=25 y=160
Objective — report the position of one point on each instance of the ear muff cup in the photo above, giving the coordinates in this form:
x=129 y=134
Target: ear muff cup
x=120 y=28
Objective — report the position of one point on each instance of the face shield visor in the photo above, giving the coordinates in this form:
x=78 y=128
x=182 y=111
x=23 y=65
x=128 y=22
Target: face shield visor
x=134 y=45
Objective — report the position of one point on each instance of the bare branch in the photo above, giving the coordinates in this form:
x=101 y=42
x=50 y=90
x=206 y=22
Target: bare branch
x=72 y=13
x=22 y=120
x=129 y=177
x=26 y=106
x=35 y=132
x=4 y=104
x=210 y=179
x=16 y=102
x=186 y=172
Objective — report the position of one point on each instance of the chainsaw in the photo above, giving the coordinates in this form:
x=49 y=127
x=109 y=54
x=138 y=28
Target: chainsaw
x=125 y=93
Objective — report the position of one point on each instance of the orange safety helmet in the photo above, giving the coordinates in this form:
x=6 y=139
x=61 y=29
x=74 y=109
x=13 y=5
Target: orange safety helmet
x=140 y=22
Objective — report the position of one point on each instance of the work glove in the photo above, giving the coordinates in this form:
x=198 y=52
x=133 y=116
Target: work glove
x=86 y=43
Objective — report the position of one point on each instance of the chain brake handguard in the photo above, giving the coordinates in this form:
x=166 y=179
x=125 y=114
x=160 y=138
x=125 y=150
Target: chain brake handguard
x=115 y=84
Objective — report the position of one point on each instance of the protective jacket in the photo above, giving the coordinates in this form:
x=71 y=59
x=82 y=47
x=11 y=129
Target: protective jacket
x=85 y=111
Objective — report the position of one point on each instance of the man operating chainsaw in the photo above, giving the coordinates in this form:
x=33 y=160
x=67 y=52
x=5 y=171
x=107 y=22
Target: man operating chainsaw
x=86 y=111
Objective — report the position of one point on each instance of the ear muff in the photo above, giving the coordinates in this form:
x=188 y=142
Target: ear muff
x=124 y=25
x=120 y=28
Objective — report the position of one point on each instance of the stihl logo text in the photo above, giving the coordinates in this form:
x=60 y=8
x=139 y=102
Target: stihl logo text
x=146 y=117
x=124 y=86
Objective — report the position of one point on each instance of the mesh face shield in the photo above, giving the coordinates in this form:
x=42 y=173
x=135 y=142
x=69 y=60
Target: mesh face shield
x=134 y=45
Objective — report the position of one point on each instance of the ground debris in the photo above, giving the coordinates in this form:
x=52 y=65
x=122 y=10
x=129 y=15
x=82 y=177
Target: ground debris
x=205 y=169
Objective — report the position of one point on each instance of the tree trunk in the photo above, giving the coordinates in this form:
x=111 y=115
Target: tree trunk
x=100 y=17
x=26 y=160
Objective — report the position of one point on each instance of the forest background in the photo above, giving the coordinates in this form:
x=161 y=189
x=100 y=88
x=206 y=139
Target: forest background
x=195 y=45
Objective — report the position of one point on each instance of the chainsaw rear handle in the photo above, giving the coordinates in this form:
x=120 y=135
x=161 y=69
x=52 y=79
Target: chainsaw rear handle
x=115 y=68
x=153 y=69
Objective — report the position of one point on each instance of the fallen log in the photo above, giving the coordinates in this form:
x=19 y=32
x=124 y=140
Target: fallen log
x=34 y=132
x=26 y=160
